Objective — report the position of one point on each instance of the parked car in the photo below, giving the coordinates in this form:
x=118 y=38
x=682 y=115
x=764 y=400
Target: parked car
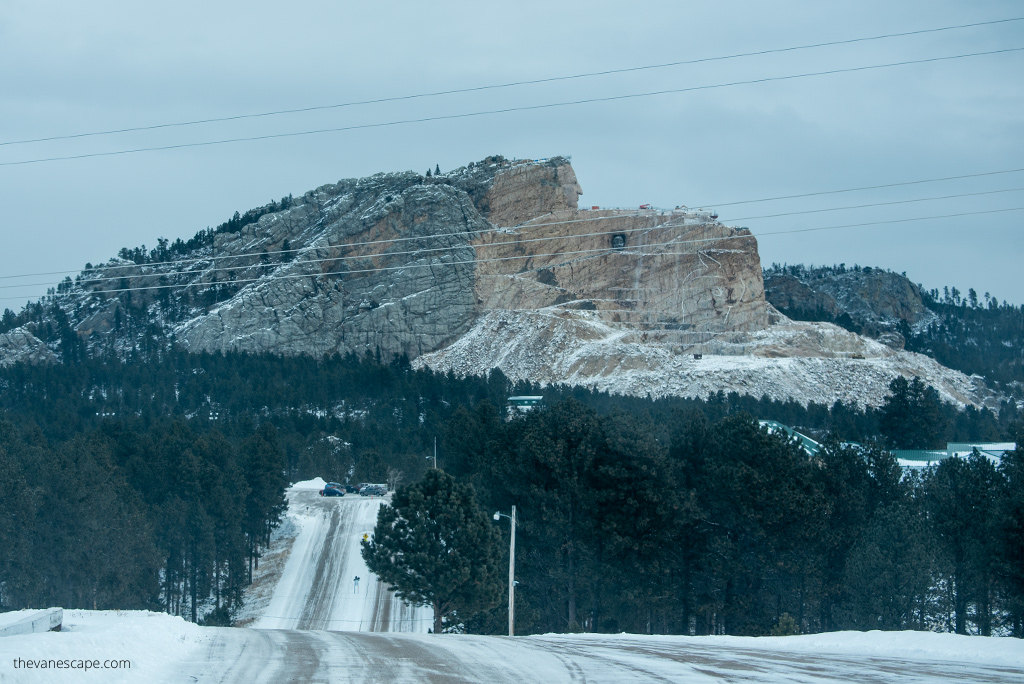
x=333 y=489
x=351 y=489
x=373 y=490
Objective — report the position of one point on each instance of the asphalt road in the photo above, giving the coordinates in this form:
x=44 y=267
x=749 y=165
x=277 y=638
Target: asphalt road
x=316 y=590
x=279 y=656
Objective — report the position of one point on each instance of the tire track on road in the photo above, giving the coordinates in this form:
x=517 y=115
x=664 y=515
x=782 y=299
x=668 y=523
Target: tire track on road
x=323 y=590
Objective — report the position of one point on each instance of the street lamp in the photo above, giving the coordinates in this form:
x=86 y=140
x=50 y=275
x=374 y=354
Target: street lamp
x=511 y=571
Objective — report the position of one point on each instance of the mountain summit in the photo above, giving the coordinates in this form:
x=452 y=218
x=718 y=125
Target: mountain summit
x=491 y=265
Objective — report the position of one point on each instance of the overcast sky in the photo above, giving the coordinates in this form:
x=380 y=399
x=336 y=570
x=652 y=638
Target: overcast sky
x=72 y=67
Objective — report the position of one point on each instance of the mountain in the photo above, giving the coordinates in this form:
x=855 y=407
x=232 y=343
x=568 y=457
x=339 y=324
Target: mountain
x=492 y=265
x=975 y=335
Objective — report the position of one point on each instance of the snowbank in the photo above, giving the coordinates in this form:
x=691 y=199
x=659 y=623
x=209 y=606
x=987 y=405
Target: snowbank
x=316 y=483
x=151 y=643
x=14 y=616
x=30 y=621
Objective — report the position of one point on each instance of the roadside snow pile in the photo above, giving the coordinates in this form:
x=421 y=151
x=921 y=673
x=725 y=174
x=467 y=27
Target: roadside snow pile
x=806 y=362
x=14 y=616
x=268 y=573
x=316 y=483
x=910 y=645
x=151 y=643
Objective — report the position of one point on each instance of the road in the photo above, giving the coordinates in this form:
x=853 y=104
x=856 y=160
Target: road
x=316 y=590
x=279 y=656
x=318 y=627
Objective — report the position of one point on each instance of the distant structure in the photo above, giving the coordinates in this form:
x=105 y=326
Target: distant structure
x=809 y=445
x=908 y=459
x=524 y=403
x=924 y=458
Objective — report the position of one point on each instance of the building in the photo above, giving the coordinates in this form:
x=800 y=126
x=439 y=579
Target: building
x=524 y=403
x=907 y=458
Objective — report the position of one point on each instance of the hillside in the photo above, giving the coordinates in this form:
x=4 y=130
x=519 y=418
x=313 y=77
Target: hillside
x=975 y=335
x=492 y=265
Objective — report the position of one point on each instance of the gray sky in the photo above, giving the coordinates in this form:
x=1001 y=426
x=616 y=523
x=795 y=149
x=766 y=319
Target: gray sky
x=69 y=67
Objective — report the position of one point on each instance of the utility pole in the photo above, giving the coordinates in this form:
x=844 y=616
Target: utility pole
x=511 y=572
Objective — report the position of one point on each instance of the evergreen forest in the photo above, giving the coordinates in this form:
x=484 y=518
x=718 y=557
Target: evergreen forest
x=155 y=482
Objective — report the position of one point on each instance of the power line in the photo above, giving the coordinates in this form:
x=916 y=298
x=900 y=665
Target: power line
x=877 y=204
x=532 y=256
x=506 y=110
x=348 y=257
x=528 y=224
x=431 y=264
x=668 y=224
x=510 y=84
x=863 y=187
x=879 y=223
x=243 y=255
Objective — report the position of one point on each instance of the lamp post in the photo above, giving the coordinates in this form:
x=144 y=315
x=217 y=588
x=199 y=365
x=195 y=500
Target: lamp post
x=511 y=572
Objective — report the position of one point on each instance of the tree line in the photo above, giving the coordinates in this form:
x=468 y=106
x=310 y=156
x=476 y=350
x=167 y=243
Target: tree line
x=155 y=516
x=153 y=482
x=701 y=527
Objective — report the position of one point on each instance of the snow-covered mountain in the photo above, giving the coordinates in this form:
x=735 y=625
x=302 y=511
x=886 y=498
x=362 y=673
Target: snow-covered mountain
x=491 y=265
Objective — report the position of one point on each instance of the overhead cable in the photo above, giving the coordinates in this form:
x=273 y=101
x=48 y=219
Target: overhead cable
x=505 y=110
x=528 y=224
x=605 y=250
x=875 y=204
x=511 y=84
x=623 y=230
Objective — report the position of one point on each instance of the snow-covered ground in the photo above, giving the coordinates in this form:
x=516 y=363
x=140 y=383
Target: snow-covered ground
x=167 y=649
x=817 y=362
x=151 y=643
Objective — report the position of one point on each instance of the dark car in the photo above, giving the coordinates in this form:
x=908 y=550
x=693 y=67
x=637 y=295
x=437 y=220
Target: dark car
x=351 y=489
x=333 y=489
x=372 y=490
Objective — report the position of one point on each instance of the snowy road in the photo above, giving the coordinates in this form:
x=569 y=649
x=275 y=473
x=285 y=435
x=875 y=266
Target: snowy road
x=316 y=590
x=271 y=656
x=163 y=649
x=315 y=627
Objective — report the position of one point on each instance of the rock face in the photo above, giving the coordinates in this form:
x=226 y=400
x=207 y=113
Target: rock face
x=403 y=264
x=870 y=296
x=495 y=265
x=384 y=263
x=19 y=345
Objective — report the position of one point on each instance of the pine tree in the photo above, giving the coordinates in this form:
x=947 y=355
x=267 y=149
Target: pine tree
x=1010 y=535
x=911 y=417
x=889 y=571
x=17 y=514
x=264 y=472
x=436 y=547
x=554 y=459
x=437 y=169
x=960 y=506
